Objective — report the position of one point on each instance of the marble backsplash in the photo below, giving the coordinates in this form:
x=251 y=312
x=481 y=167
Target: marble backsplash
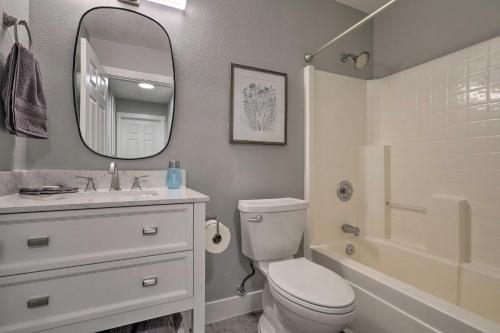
x=12 y=181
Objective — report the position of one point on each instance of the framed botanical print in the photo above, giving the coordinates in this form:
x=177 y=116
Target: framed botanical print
x=258 y=106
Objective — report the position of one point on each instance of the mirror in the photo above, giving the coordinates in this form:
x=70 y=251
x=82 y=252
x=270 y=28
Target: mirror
x=123 y=83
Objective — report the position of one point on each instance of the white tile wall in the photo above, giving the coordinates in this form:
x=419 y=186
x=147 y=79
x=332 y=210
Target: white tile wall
x=442 y=120
x=337 y=130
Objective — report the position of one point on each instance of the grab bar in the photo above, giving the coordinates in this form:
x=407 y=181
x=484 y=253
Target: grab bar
x=406 y=207
x=9 y=21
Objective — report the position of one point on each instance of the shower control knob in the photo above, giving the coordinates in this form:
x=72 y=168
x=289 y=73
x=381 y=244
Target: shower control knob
x=345 y=190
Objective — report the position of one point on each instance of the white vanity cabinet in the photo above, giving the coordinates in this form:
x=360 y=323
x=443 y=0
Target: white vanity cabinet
x=90 y=269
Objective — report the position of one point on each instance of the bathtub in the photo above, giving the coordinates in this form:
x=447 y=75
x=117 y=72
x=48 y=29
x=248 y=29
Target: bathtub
x=399 y=289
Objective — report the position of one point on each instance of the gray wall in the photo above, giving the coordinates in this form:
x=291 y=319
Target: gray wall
x=12 y=149
x=205 y=40
x=412 y=32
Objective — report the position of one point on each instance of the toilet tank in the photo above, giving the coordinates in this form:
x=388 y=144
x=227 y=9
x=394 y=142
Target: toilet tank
x=272 y=228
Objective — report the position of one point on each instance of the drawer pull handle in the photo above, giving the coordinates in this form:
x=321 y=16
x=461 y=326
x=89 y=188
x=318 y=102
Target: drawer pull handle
x=36 y=302
x=37 y=242
x=149 y=282
x=149 y=231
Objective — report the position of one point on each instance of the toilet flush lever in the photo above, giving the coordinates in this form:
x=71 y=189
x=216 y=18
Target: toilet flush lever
x=257 y=219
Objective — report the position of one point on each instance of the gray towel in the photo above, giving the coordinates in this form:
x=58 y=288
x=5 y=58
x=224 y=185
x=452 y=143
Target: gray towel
x=7 y=81
x=22 y=94
x=165 y=324
x=59 y=189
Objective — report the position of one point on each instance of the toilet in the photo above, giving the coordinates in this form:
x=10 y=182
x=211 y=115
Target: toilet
x=299 y=296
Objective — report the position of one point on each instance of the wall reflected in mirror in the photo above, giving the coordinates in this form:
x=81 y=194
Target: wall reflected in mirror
x=124 y=84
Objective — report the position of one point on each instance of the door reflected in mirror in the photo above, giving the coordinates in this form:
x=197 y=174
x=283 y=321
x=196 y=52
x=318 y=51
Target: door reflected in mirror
x=123 y=84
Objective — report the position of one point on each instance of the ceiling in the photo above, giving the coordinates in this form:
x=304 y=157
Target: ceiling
x=127 y=28
x=129 y=90
x=366 y=6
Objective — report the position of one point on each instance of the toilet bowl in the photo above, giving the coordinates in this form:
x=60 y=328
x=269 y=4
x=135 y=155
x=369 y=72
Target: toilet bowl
x=299 y=296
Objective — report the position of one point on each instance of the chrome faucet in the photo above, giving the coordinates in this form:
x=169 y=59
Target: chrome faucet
x=137 y=183
x=115 y=177
x=350 y=229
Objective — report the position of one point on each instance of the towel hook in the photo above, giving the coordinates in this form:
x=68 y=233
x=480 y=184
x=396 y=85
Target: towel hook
x=9 y=21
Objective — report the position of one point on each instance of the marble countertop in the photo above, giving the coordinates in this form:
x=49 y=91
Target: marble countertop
x=17 y=203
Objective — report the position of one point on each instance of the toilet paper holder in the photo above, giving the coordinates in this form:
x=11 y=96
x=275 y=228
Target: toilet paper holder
x=217 y=237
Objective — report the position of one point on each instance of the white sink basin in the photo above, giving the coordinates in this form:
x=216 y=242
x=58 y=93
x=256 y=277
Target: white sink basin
x=113 y=194
x=97 y=195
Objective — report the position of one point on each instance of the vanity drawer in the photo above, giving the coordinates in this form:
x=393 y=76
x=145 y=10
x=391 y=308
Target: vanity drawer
x=38 y=241
x=65 y=296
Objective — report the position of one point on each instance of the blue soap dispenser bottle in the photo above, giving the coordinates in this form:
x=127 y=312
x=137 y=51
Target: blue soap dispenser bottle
x=174 y=175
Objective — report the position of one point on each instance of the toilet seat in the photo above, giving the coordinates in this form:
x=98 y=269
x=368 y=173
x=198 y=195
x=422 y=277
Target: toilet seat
x=311 y=286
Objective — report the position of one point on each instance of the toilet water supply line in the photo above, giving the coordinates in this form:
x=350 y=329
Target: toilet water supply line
x=217 y=238
x=240 y=290
x=309 y=56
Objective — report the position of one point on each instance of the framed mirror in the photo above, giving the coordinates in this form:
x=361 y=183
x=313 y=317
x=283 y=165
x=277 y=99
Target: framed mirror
x=123 y=83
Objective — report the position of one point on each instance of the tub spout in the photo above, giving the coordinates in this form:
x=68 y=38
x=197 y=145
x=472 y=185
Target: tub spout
x=350 y=229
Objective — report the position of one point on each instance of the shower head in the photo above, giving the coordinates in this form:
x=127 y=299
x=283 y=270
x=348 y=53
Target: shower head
x=360 y=61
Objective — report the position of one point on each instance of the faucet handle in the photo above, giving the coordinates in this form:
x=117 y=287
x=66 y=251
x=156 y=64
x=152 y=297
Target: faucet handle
x=90 y=183
x=136 y=184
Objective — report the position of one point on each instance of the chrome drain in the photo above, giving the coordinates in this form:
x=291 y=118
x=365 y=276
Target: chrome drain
x=349 y=249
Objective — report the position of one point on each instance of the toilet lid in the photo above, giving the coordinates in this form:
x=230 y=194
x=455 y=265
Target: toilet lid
x=311 y=283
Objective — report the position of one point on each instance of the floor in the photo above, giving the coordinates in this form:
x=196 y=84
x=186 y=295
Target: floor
x=246 y=323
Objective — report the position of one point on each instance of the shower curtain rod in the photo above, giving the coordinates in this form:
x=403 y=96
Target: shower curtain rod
x=309 y=57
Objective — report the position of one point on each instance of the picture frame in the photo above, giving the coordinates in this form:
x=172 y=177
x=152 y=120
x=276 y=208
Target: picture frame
x=258 y=106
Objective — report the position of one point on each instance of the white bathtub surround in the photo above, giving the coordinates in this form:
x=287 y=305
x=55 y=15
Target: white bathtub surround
x=442 y=120
x=448 y=228
x=431 y=149
x=381 y=295
x=480 y=290
x=374 y=190
x=442 y=123
x=336 y=128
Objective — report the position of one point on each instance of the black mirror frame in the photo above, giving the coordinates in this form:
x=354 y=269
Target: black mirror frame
x=74 y=87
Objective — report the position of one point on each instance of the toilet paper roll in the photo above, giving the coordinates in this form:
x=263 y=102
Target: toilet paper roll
x=211 y=231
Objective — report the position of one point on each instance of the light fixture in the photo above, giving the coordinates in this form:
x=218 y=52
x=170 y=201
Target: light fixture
x=145 y=85
x=179 y=4
x=132 y=2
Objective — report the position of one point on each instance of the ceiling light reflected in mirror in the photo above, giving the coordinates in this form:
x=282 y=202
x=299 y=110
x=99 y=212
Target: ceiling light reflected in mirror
x=144 y=85
x=179 y=4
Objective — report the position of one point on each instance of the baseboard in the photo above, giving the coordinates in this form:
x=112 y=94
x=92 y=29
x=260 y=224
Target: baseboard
x=233 y=306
